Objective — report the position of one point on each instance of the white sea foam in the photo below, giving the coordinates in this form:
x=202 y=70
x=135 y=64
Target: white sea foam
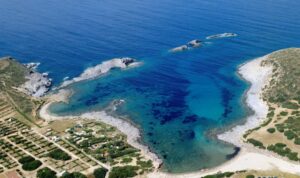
x=100 y=69
x=222 y=35
x=32 y=65
x=258 y=76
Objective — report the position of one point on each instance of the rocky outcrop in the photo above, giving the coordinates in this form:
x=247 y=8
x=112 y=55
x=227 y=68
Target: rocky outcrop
x=37 y=84
x=190 y=45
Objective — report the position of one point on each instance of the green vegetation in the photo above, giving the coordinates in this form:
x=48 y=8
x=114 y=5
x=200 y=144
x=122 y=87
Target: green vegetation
x=250 y=176
x=46 y=173
x=289 y=134
x=256 y=143
x=297 y=141
x=123 y=172
x=26 y=159
x=32 y=165
x=12 y=73
x=100 y=173
x=59 y=154
x=283 y=150
x=283 y=113
x=286 y=65
x=73 y=175
x=271 y=130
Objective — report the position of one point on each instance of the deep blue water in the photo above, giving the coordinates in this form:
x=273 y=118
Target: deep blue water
x=178 y=100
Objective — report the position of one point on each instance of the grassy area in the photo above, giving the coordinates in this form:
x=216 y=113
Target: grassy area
x=12 y=75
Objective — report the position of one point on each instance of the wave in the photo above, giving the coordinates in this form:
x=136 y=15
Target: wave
x=222 y=35
x=100 y=69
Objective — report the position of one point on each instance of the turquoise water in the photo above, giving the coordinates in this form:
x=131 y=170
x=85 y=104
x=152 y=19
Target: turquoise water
x=178 y=100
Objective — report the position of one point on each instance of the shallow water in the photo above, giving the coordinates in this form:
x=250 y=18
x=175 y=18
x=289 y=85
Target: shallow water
x=176 y=99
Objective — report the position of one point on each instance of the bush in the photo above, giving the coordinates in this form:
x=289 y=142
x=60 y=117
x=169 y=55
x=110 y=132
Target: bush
x=289 y=134
x=46 y=173
x=290 y=105
x=145 y=164
x=250 y=176
x=271 y=130
x=73 y=175
x=297 y=141
x=58 y=154
x=100 y=173
x=256 y=143
x=126 y=160
x=283 y=113
x=220 y=175
x=293 y=156
x=32 y=165
x=26 y=159
x=123 y=172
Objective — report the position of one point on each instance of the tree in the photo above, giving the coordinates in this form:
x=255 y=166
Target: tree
x=59 y=154
x=100 y=172
x=46 y=173
x=73 y=175
x=123 y=172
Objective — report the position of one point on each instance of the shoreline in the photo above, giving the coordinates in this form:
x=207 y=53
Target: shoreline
x=248 y=158
x=258 y=77
x=132 y=133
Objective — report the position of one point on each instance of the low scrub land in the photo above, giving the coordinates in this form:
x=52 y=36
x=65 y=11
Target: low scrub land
x=281 y=131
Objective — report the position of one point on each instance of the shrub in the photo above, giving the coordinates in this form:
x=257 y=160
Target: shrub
x=123 y=172
x=73 y=175
x=250 y=176
x=126 y=160
x=26 y=159
x=283 y=113
x=145 y=164
x=46 y=173
x=293 y=156
x=270 y=114
x=100 y=173
x=32 y=165
x=289 y=134
x=256 y=143
x=58 y=154
x=297 y=141
x=290 y=105
x=271 y=130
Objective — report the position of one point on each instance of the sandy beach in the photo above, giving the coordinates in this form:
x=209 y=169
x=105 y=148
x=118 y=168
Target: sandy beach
x=248 y=158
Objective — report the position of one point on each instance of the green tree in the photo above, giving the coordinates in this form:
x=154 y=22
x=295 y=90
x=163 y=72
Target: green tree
x=46 y=173
x=100 y=172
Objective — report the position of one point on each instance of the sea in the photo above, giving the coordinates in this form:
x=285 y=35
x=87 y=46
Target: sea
x=180 y=101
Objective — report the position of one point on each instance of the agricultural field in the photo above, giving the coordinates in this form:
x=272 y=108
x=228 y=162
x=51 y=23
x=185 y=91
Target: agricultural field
x=280 y=133
x=99 y=141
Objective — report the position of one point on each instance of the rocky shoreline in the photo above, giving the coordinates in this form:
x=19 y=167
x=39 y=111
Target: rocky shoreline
x=37 y=84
